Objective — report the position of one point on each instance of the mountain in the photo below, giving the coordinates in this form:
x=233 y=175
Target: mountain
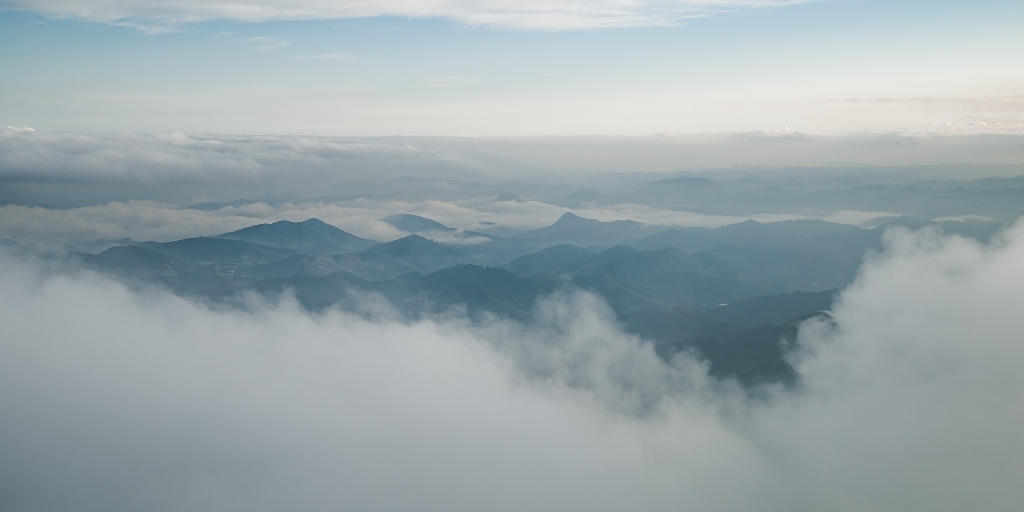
x=414 y=223
x=372 y=266
x=483 y=289
x=12 y=247
x=573 y=229
x=131 y=259
x=551 y=262
x=206 y=250
x=813 y=227
x=582 y=198
x=749 y=230
x=309 y=236
x=472 y=287
x=772 y=309
x=632 y=280
x=788 y=267
x=686 y=241
x=683 y=193
x=296 y=264
x=424 y=255
x=755 y=356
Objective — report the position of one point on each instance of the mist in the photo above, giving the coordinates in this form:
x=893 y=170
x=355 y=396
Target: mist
x=909 y=398
x=73 y=169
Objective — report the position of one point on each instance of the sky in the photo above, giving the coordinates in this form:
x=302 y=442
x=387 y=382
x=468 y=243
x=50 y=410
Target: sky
x=486 y=68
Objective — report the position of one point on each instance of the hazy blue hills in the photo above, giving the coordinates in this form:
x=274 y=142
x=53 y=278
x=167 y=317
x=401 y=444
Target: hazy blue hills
x=727 y=294
x=1001 y=198
x=373 y=266
x=686 y=241
x=422 y=254
x=132 y=258
x=573 y=229
x=552 y=261
x=470 y=287
x=752 y=357
x=296 y=264
x=665 y=277
x=311 y=236
x=414 y=223
x=484 y=289
x=205 y=250
x=772 y=309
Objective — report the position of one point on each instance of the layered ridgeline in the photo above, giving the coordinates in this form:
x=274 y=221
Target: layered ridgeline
x=731 y=294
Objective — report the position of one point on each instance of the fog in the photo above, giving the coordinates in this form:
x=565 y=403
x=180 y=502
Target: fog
x=83 y=169
x=126 y=399
x=89 y=227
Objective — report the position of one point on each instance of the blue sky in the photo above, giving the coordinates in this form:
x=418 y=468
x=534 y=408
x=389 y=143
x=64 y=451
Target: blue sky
x=818 y=66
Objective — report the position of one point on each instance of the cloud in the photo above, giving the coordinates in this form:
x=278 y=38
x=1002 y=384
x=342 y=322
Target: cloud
x=40 y=166
x=528 y=15
x=118 y=399
x=76 y=169
x=78 y=228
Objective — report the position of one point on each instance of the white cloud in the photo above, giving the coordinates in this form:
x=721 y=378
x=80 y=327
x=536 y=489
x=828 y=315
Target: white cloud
x=117 y=399
x=530 y=14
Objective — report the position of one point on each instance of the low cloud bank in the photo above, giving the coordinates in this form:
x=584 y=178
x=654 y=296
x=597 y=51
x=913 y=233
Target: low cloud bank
x=115 y=399
x=82 y=169
x=163 y=222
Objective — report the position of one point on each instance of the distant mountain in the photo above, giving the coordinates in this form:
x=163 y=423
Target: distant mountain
x=472 y=287
x=752 y=357
x=551 y=261
x=484 y=289
x=130 y=258
x=217 y=250
x=676 y=193
x=414 y=223
x=772 y=309
x=814 y=227
x=295 y=265
x=10 y=246
x=573 y=229
x=810 y=266
x=309 y=236
x=686 y=241
x=749 y=230
x=424 y=255
x=582 y=198
x=372 y=266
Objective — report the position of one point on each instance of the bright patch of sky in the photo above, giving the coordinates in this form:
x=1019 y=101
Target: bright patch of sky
x=491 y=68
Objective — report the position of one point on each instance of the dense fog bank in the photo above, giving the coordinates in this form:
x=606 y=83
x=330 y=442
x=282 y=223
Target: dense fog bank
x=119 y=399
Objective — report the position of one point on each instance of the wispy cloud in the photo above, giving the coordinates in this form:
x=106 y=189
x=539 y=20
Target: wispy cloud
x=554 y=15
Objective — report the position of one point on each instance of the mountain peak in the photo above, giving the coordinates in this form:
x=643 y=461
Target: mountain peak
x=572 y=218
x=414 y=223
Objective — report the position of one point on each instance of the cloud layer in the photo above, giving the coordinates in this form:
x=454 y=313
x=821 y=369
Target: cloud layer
x=532 y=15
x=74 y=169
x=116 y=399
